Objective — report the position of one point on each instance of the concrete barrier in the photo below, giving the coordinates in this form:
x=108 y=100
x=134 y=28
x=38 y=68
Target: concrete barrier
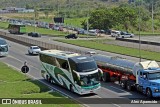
x=137 y=41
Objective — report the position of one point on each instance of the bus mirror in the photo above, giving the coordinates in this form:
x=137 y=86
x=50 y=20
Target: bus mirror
x=100 y=72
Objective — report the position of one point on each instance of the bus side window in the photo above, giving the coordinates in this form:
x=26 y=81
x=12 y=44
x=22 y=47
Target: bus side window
x=65 y=65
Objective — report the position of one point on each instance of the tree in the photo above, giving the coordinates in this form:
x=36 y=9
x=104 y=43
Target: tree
x=126 y=16
x=108 y=18
x=101 y=19
x=29 y=6
x=46 y=12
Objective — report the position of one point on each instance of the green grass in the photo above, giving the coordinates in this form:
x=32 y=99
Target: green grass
x=115 y=49
x=4 y=25
x=74 y=21
x=49 y=20
x=43 y=31
x=68 y=21
x=46 y=31
x=15 y=85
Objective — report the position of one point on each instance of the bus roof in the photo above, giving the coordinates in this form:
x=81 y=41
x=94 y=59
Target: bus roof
x=59 y=54
x=80 y=59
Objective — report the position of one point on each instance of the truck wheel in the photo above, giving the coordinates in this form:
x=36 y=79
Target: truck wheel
x=149 y=93
x=106 y=77
x=123 y=84
x=129 y=88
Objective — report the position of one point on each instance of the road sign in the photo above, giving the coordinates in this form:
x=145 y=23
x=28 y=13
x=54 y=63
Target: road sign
x=25 y=69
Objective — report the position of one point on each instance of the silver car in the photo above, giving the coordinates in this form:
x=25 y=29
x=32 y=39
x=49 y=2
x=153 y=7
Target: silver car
x=34 y=50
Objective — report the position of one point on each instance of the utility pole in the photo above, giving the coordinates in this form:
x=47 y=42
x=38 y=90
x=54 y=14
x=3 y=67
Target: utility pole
x=152 y=19
x=139 y=26
x=58 y=8
x=87 y=20
x=35 y=19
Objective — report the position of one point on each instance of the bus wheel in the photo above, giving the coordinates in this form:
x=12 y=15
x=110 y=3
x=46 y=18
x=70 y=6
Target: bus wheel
x=149 y=93
x=106 y=77
x=71 y=88
x=47 y=78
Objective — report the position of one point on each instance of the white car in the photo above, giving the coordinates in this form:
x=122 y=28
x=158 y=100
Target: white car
x=115 y=33
x=125 y=35
x=34 y=50
x=90 y=53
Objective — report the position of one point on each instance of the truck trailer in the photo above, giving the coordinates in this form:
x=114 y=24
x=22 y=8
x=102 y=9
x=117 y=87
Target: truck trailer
x=140 y=76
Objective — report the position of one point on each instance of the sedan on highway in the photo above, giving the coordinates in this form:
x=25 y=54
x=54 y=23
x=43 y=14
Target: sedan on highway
x=125 y=35
x=34 y=34
x=73 y=36
x=34 y=50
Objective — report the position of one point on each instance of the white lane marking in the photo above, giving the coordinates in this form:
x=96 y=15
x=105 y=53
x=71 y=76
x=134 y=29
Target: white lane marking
x=98 y=96
x=116 y=105
x=118 y=89
x=51 y=87
x=109 y=90
x=23 y=62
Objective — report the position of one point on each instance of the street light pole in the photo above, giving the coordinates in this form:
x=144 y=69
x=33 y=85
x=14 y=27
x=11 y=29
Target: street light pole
x=34 y=20
x=139 y=33
x=152 y=19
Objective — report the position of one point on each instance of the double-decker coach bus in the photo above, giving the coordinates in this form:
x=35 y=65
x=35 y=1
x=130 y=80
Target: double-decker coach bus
x=3 y=47
x=73 y=71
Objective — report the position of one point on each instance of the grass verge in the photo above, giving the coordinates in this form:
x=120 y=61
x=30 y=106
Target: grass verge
x=15 y=85
x=114 y=49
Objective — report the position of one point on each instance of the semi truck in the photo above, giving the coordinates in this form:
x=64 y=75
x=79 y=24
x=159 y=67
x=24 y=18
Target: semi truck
x=140 y=76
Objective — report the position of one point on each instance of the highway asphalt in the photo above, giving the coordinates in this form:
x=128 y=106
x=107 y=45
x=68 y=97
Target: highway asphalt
x=18 y=55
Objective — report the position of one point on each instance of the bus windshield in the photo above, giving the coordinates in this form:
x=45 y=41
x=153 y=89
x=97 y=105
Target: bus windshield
x=86 y=66
x=154 y=76
x=89 y=80
x=2 y=42
x=3 y=48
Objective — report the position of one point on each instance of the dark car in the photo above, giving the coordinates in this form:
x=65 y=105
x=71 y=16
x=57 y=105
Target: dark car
x=73 y=36
x=34 y=34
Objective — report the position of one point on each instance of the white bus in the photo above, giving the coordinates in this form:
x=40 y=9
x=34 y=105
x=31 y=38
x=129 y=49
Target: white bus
x=3 y=47
x=77 y=73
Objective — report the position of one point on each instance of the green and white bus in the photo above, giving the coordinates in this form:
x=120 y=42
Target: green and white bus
x=17 y=28
x=73 y=71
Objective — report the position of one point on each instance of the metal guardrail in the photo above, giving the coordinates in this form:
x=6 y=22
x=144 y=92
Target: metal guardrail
x=137 y=41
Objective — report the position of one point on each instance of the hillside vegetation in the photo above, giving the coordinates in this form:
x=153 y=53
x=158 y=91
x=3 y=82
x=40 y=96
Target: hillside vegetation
x=102 y=14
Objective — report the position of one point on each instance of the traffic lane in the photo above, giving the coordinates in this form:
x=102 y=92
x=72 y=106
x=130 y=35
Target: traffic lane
x=16 y=59
x=104 y=93
x=17 y=64
x=148 y=38
x=115 y=88
x=21 y=52
x=18 y=51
